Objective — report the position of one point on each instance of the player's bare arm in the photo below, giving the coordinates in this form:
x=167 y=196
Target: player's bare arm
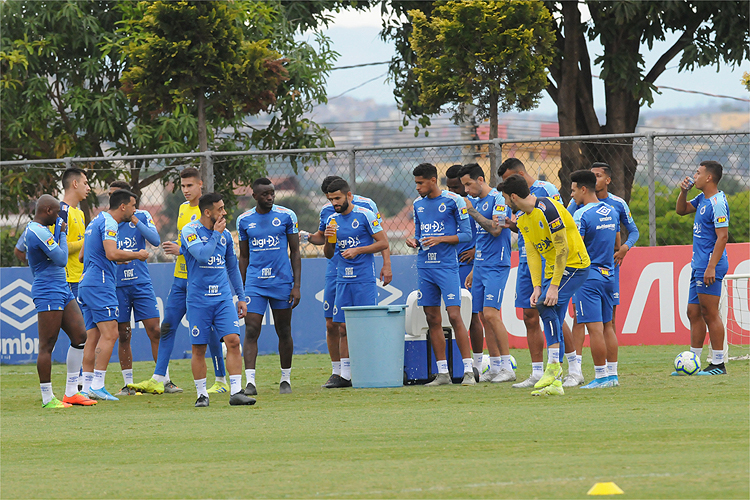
x=116 y=255
x=244 y=259
x=380 y=244
x=682 y=207
x=491 y=226
x=296 y=261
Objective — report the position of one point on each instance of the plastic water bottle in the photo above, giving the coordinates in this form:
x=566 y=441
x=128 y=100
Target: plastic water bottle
x=333 y=224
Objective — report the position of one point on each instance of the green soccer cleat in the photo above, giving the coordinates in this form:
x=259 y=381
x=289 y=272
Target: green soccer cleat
x=554 y=389
x=553 y=372
x=56 y=403
x=218 y=388
x=151 y=386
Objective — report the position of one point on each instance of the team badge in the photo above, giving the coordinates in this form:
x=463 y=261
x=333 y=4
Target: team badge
x=335 y=310
x=485 y=206
x=703 y=209
x=276 y=221
x=326 y=305
x=192 y=237
x=419 y=294
x=355 y=224
x=195 y=331
x=442 y=208
x=132 y=226
x=192 y=217
x=223 y=240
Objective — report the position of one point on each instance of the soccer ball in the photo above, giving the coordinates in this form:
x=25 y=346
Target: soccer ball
x=485 y=363
x=687 y=363
x=513 y=363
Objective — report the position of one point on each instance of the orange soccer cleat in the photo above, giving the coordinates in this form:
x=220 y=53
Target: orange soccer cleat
x=79 y=399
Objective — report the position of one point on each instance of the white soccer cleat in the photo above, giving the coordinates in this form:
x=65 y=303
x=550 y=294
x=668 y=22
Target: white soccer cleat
x=529 y=382
x=504 y=376
x=573 y=380
x=487 y=376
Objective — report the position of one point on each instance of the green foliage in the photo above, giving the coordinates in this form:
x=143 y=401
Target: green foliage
x=389 y=201
x=746 y=80
x=8 y=239
x=307 y=218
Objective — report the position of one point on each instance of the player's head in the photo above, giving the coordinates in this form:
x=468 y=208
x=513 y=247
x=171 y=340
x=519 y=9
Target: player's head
x=340 y=195
x=453 y=180
x=264 y=193
x=708 y=173
x=211 y=206
x=425 y=177
x=114 y=186
x=516 y=190
x=509 y=167
x=75 y=182
x=122 y=205
x=582 y=186
x=47 y=210
x=326 y=182
x=191 y=183
x=472 y=177
x=603 y=174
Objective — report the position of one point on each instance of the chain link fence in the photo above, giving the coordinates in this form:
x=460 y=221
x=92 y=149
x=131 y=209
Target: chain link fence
x=647 y=170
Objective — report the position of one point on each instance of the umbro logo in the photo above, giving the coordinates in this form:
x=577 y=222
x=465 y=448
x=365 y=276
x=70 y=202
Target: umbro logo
x=603 y=210
x=451 y=296
x=420 y=210
x=251 y=225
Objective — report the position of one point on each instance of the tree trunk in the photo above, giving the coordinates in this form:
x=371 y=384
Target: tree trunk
x=202 y=132
x=493 y=180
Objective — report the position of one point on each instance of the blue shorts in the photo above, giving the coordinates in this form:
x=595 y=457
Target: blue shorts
x=524 y=288
x=329 y=296
x=487 y=289
x=698 y=286
x=595 y=299
x=258 y=299
x=463 y=272
x=51 y=300
x=219 y=317
x=437 y=282
x=353 y=294
x=616 y=289
x=571 y=282
x=140 y=298
x=98 y=305
x=74 y=288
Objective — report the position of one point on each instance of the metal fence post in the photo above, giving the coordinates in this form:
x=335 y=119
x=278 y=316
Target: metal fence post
x=651 y=190
x=209 y=183
x=352 y=169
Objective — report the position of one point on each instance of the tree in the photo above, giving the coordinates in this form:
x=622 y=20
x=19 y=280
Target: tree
x=389 y=201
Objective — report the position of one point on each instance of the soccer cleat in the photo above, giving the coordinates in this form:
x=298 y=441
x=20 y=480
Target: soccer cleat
x=340 y=383
x=487 y=376
x=553 y=372
x=331 y=382
x=240 y=399
x=79 y=399
x=126 y=391
x=713 y=369
x=285 y=387
x=613 y=381
x=171 y=388
x=56 y=403
x=250 y=390
x=218 y=388
x=101 y=394
x=597 y=383
x=151 y=386
x=476 y=374
x=201 y=402
x=440 y=379
x=468 y=379
x=529 y=382
x=573 y=380
x=504 y=376
x=554 y=389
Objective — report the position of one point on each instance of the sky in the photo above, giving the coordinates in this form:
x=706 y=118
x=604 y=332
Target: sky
x=355 y=37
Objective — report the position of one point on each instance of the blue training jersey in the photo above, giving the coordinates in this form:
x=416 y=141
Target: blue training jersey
x=491 y=250
x=132 y=238
x=444 y=215
x=325 y=216
x=709 y=214
x=597 y=223
x=266 y=236
x=356 y=229
x=47 y=258
x=98 y=269
x=624 y=217
x=467 y=245
x=540 y=189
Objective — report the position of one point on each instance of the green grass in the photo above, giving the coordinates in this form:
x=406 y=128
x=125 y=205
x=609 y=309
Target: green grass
x=655 y=436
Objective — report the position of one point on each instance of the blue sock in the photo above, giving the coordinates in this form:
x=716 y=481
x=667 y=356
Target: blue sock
x=217 y=354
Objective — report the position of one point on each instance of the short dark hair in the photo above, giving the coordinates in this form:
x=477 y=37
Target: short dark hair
x=327 y=181
x=714 y=168
x=263 y=181
x=584 y=178
x=516 y=184
x=119 y=197
x=206 y=202
x=600 y=164
x=119 y=185
x=425 y=170
x=338 y=185
x=473 y=170
x=453 y=170
x=190 y=172
x=512 y=164
x=70 y=175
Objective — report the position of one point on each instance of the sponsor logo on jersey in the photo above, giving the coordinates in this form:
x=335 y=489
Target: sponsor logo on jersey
x=499 y=208
x=191 y=238
x=378 y=215
x=603 y=210
x=555 y=224
x=375 y=223
x=420 y=210
x=111 y=233
x=251 y=225
x=721 y=219
x=50 y=241
x=464 y=211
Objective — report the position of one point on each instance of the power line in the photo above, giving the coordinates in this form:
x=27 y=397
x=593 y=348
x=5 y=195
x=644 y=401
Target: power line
x=358 y=86
x=361 y=65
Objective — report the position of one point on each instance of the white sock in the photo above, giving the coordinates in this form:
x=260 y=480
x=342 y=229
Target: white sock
x=478 y=360
x=698 y=351
x=88 y=378
x=127 y=376
x=250 y=375
x=346 y=369
x=200 y=387
x=223 y=380
x=98 y=382
x=505 y=363
x=336 y=367
x=160 y=378
x=579 y=363
x=553 y=355
x=537 y=369
x=496 y=364
x=47 y=393
x=571 y=356
x=612 y=368
x=468 y=366
x=71 y=384
x=600 y=371
x=72 y=368
x=286 y=375
x=235 y=384
x=718 y=357
x=442 y=366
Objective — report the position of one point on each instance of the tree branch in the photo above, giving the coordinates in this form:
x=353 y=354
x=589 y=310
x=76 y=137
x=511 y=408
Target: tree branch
x=552 y=90
x=155 y=177
x=684 y=41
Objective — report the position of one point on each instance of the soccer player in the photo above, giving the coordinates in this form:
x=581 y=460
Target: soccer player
x=709 y=263
x=338 y=347
x=524 y=288
x=491 y=268
x=134 y=289
x=97 y=291
x=56 y=307
x=358 y=235
x=212 y=265
x=191 y=186
x=597 y=223
x=441 y=221
x=465 y=252
x=270 y=277
x=550 y=234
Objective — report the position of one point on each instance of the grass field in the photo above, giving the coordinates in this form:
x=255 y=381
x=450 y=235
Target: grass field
x=655 y=436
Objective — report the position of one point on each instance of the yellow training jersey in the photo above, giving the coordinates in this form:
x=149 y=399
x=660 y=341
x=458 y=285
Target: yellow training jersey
x=549 y=217
x=76 y=231
x=187 y=214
